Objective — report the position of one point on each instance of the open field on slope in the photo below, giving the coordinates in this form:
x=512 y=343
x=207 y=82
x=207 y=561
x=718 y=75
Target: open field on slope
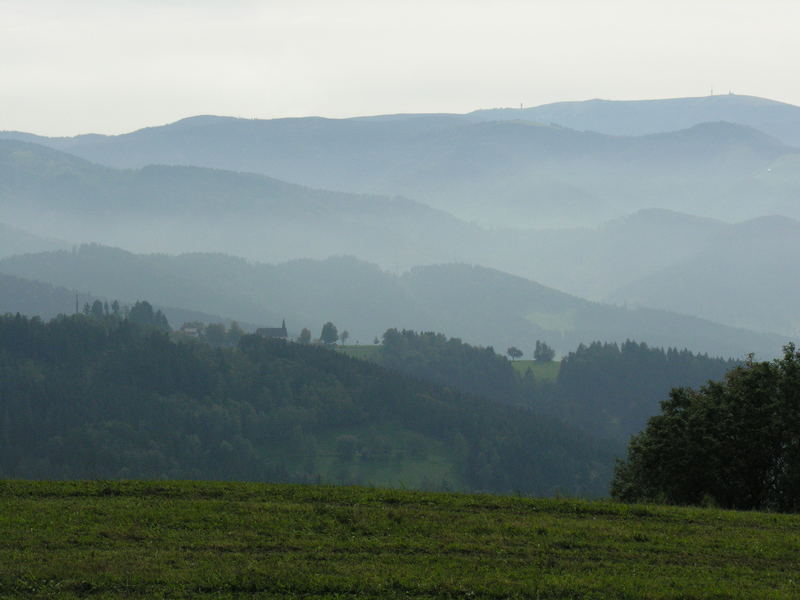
x=542 y=371
x=362 y=352
x=547 y=371
x=229 y=540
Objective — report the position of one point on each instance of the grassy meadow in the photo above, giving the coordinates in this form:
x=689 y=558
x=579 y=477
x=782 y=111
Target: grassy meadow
x=234 y=540
x=547 y=371
x=362 y=352
x=542 y=371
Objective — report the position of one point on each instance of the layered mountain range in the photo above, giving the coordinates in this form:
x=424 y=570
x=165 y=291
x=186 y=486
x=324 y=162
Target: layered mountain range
x=489 y=168
x=662 y=204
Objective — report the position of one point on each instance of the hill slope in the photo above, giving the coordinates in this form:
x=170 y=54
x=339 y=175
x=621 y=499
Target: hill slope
x=103 y=398
x=743 y=276
x=205 y=540
x=181 y=209
x=16 y=241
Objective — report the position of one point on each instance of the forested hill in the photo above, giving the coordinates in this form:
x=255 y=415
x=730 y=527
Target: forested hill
x=607 y=390
x=482 y=306
x=35 y=298
x=102 y=398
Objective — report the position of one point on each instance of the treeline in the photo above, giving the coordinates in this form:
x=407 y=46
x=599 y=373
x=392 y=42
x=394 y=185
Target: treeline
x=613 y=389
x=104 y=397
x=608 y=390
x=452 y=363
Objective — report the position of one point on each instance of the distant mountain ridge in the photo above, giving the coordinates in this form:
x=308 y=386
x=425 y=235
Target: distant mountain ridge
x=501 y=168
x=640 y=117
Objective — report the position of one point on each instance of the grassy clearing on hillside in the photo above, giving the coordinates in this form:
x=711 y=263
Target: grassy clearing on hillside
x=229 y=540
x=362 y=352
x=541 y=371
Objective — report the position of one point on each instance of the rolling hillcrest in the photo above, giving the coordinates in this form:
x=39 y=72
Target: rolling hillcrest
x=16 y=241
x=180 y=209
x=480 y=305
x=35 y=298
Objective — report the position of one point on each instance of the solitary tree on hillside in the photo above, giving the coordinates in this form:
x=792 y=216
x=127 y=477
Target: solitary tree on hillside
x=514 y=353
x=543 y=352
x=329 y=333
x=343 y=337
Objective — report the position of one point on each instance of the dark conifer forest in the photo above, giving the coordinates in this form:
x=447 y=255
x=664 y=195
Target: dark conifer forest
x=605 y=389
x=86 y=397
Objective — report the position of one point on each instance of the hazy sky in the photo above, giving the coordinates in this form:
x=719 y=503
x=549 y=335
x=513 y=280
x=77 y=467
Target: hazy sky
x=108 y=66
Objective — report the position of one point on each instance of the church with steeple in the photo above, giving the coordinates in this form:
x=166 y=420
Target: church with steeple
x=273 y=332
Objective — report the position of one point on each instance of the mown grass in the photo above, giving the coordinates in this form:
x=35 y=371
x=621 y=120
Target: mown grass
x=542 y=371
x=231 y=540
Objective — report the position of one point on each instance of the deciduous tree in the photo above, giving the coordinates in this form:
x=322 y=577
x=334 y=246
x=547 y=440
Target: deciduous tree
x=735 y=443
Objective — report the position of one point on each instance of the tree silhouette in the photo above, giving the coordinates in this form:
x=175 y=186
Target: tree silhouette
x=543 y=352
x=330 y=334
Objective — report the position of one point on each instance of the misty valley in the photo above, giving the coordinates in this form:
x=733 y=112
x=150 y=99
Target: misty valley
x=557 y=305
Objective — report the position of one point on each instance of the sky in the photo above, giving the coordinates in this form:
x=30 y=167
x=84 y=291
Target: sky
x=112 y=66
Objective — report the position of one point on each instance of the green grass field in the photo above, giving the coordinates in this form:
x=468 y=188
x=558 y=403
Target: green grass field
x=362 y=352
x=229 y=540
x=542 y=371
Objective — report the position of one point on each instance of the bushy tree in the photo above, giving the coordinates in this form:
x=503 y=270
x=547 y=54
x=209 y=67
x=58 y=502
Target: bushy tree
x=142 y=314
x=234 y=334
x=329 y=335
x=514 y=352
x=543 y=352
x=214 y=334
x=97 y=310
x=305 y=336
x=735 y=443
